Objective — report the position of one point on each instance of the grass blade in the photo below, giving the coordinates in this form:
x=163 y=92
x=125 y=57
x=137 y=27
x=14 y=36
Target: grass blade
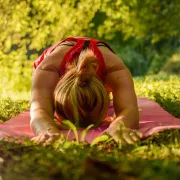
x=83 y=135
x=73 y=127
x=99 y=139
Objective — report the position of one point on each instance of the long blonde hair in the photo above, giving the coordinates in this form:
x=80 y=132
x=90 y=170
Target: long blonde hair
x=79 y=95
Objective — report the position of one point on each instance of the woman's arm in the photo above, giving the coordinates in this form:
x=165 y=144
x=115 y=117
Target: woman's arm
x=45 y=78
x=119 y=79
x=42 y=110
x=124 y=98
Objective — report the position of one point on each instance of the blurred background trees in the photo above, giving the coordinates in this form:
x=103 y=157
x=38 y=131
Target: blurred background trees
x=145 y=34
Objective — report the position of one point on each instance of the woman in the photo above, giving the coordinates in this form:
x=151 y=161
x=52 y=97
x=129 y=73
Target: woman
x=73 y=79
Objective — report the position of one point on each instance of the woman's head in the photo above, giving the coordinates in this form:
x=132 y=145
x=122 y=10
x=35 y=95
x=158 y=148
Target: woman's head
x=79 y=95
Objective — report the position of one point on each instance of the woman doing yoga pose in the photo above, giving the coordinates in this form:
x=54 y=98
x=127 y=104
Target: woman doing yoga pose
x=72 y=80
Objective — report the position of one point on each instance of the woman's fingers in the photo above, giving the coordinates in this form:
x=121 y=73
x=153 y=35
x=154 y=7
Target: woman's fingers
x=46 y=138
x=43 y=139
x=51 y=139
x=122 y=136
x=121 y=133
x=135 y=135
x=40 y=139
x=118 y=138
x=36 y=139
x=48 y=142
x=139 y=134
x=127 y=137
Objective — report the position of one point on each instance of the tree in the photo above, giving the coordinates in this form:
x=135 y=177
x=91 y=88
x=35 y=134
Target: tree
x=29 y=26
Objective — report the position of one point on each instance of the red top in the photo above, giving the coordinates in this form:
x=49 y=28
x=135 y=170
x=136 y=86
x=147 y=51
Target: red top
x=75 y=51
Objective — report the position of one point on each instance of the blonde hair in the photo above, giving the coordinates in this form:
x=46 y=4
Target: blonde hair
x=79 y=95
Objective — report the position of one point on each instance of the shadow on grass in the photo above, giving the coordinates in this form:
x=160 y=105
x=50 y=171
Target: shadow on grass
x=150 y=158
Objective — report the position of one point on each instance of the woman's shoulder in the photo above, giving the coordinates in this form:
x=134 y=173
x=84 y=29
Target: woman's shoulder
x=53 y=60
x=112 y=61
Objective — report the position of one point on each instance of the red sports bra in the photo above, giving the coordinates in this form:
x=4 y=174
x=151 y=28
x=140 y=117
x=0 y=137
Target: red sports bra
x=74 y=52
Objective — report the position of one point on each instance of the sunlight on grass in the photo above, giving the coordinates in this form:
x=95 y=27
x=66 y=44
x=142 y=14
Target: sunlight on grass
x=6 y=93
x=163 y=89
x=158 y=155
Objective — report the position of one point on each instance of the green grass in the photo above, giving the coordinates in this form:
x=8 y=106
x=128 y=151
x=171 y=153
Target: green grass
x=157 y=157
x=164 y=89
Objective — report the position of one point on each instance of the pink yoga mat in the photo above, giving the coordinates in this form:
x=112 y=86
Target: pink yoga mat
x=153 y=118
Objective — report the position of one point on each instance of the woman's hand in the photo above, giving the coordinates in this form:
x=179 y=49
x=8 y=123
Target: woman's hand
x=122 y=134
x=46 y=137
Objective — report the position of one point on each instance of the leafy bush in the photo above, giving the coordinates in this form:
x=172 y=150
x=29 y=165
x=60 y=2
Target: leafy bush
x=163 y=89
x=135 y=61
x=16 y=72
x=10 y=108
x=172 y=65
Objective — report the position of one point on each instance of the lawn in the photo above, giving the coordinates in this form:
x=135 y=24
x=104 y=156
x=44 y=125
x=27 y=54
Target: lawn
x=157 y=157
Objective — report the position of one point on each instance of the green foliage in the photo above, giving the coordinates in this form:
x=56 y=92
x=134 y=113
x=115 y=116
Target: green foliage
x=10 y=108
x=144 y=33
x=157 y=155
x=156 y=65
x=172 y=65
x=148 y=19
x=84 y=132
x=101 y=138
x=16 y=71
x=73 y=128
x=135 y=61
x=155 y=19
x=28 y=27
x=39 y=23
x=161 y=88
x=36 y=24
